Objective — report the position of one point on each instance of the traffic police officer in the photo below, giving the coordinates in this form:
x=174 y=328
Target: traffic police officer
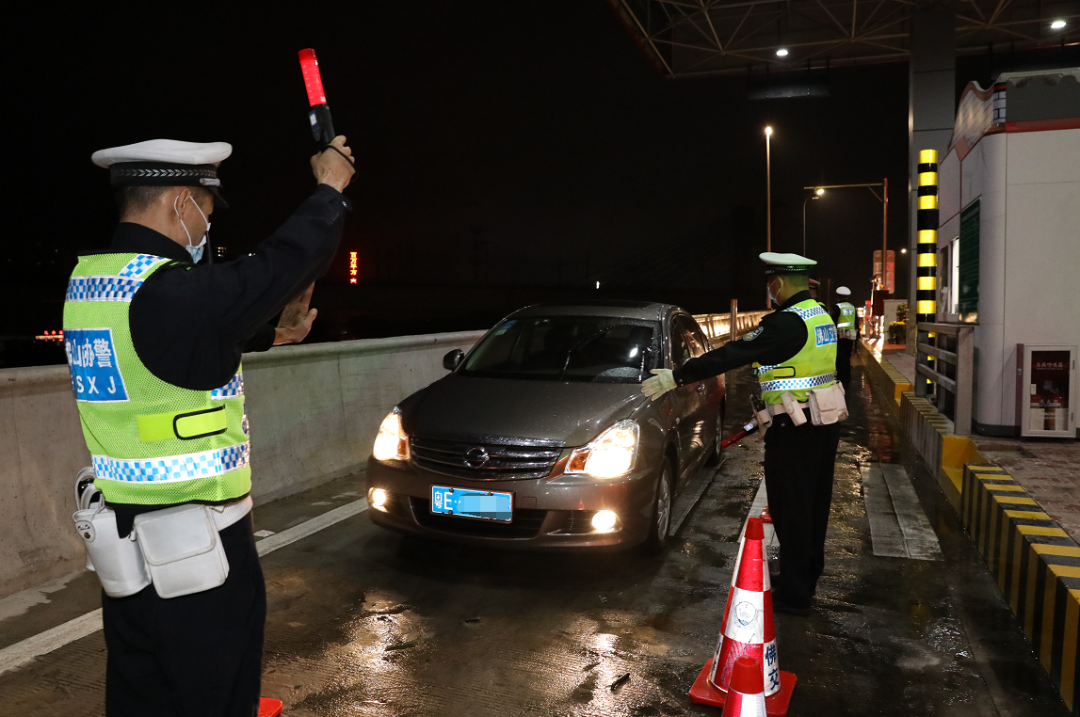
x=847 y=333
x=793 y=351
x=154 y=338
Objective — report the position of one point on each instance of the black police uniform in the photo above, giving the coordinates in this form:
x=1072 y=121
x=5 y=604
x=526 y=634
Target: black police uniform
x=799 y=460
x=844 y=348
x=201 y=654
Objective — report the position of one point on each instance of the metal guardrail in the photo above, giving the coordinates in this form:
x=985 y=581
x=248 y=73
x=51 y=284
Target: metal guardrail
x=718 y=326
x=945 y=356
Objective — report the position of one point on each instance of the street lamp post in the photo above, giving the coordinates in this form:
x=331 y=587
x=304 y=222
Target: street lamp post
x=884 y=199
x=768 y=189
x=768 y=203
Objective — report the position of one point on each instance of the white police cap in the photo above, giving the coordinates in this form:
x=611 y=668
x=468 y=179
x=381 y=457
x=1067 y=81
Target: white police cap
x=165 y=163
x=776 y=263
x=843 y=291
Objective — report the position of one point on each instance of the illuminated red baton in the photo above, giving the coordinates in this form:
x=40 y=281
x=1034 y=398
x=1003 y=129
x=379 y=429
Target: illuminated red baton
x=322 y=127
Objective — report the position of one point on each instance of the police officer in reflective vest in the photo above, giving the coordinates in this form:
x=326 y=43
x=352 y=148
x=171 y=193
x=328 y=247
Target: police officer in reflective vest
x=154 y=333
x=793 y=352
x=847 y=333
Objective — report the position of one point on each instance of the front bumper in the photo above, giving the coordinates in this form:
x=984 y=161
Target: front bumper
x=549 y=513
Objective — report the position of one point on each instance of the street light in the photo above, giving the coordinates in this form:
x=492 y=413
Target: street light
x=815 y=196
x=768 y=202
x=1058 y=25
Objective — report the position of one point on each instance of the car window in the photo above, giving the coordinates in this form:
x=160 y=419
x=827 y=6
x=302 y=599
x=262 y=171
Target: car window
x=694 y=339
x=568 y=348
x=680 y=348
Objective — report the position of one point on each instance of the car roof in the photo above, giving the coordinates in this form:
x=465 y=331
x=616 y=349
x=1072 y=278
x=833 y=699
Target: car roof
x=641 y=310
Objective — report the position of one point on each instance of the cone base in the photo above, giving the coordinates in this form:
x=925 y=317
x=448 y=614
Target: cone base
x=776 y=705
x=269 y=707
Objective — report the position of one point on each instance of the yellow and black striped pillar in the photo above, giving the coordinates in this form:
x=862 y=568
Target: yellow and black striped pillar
x=927 y=223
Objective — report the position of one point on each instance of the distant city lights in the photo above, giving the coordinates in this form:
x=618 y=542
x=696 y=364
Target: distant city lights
x=353 y=263
x=50 y=336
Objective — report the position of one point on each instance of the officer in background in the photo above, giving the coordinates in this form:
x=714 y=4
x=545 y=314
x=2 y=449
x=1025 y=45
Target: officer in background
x=793 y=350
x=847 y=333
x=154 y=338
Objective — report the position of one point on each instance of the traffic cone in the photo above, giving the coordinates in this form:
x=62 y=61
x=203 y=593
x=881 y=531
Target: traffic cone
x=746 y=692
x=747 y=630
x=269 y=707
x=765 y=516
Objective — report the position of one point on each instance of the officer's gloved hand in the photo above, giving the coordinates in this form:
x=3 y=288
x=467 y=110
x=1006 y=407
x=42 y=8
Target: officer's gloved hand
x=661 y=382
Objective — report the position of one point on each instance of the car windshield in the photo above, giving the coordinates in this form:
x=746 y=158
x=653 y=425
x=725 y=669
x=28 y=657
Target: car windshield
x=595 y=349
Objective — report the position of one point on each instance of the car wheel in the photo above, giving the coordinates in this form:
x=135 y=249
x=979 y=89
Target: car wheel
x=661 y=514
x=717 y=451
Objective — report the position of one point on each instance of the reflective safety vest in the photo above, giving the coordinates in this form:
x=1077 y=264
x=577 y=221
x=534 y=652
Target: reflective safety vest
x=846 y=325
x=151 y=443
x=815 y=364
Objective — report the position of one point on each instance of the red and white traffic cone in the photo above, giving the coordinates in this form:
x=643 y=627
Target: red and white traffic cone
x=748 y=630
x=746 y=692
x=269 y=707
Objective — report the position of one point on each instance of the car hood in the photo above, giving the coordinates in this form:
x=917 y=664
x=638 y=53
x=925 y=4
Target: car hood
x=572 y=413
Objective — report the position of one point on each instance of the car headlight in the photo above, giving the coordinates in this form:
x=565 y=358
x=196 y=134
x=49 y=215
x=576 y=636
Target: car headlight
x=609 y=456
x=391 y=443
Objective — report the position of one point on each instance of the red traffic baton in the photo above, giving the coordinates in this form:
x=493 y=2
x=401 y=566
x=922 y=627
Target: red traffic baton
x=322 y=126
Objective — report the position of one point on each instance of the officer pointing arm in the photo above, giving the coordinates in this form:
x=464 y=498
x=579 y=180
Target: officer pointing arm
x=794 y=355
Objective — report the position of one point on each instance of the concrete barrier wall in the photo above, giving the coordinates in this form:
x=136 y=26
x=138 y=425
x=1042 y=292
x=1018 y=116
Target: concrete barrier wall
x=314 y=411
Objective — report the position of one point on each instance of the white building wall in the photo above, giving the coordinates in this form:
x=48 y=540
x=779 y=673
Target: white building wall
x=1042 y=248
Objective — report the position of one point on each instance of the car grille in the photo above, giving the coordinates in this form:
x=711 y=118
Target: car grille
x=465 y=459
x=526 y=523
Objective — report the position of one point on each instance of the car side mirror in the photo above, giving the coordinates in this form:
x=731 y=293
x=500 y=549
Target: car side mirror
x=453 y=359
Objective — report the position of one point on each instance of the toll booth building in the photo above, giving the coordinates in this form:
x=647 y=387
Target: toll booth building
x=1009 y=249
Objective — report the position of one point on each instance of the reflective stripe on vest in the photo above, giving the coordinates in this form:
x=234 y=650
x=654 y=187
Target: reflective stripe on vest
x=152 y=443
x=174 y=468
x=814 y=366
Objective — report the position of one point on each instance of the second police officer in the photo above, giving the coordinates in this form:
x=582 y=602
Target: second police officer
x=847 y=333
x=793 y=351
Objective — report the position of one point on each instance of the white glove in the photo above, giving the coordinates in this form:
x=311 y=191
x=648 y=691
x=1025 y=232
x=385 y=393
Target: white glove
x=661 y=382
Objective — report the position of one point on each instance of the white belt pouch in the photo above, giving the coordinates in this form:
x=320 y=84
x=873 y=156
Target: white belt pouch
x=827 y=405
x=182 y=549
x=117 y=561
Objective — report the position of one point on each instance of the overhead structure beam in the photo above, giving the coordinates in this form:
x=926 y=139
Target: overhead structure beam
x=707 y=37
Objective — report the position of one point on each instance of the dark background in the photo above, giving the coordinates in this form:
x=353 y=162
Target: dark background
x=507 y=153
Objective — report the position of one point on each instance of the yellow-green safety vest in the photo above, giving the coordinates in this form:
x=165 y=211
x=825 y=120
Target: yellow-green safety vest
x=151 y=443
x=815 y=364
x=846 y=325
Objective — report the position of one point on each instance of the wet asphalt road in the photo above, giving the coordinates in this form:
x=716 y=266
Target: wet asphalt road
x=366 y=622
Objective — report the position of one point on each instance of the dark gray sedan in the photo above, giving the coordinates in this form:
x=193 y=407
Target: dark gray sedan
x=540 y=437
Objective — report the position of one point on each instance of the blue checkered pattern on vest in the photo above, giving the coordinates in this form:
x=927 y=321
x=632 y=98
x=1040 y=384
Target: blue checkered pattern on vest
x=797 y=384
x=102 y=288
x=139 y=265
x=808 y=313
x=234 y=388
x=174 y=468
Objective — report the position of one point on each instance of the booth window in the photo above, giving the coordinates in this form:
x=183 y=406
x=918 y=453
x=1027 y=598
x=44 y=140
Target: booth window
x=968 y=284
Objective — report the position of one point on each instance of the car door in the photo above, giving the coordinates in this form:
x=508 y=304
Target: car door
x=715 y=389
x=695 y=410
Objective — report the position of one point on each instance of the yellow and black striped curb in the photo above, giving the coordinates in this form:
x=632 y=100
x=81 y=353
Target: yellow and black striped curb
x=1036 y=565
x=886 y=375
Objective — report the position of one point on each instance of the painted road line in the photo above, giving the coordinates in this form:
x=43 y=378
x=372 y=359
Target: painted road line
x=898 y=526
x=308 y=527
x=761 y=502
x=20 y=653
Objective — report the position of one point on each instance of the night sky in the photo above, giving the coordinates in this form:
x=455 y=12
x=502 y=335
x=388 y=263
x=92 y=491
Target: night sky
x=498 y=144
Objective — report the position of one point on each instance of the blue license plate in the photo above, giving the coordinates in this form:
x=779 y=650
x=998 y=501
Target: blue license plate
x=466 y=503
